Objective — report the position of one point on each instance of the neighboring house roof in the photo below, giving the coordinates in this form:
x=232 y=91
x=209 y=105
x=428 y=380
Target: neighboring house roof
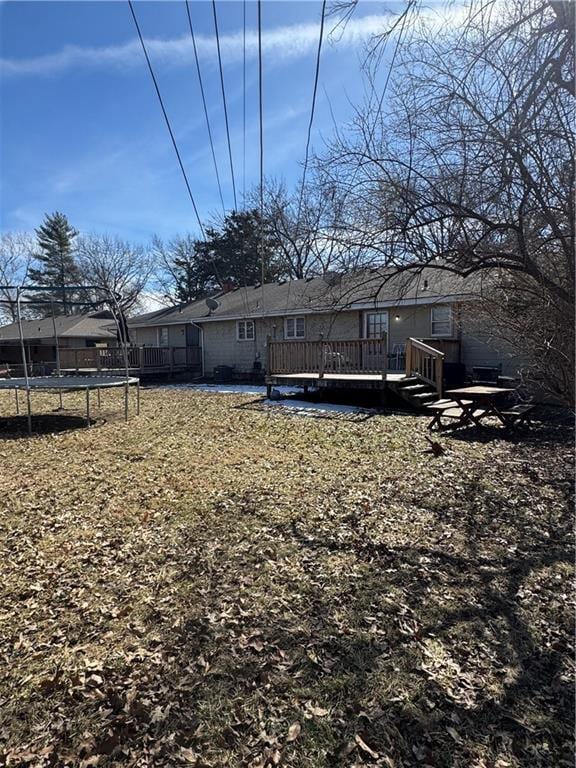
x=357 y=290
x=67 y=326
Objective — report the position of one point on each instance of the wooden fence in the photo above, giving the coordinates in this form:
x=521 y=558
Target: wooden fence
x=343 y=356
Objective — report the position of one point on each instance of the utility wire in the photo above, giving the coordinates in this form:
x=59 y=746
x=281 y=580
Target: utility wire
x=244 y=103
x=261 y=123
x=224 y=101
x=312 y=110
x=166 y=119
x=309 y=134
x=402 y=22
x=204 y=105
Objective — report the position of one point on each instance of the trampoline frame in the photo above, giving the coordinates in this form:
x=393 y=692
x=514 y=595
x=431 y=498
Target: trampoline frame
x=73 y=383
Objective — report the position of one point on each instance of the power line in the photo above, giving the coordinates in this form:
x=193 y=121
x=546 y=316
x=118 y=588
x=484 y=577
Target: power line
x=312 y=110
x=244 y=103
x=204 y=105
x=261 y=123
x=224 y=101
x=402 y=22
x=175 y=145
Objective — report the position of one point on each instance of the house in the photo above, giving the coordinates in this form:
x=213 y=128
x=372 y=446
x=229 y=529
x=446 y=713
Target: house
x=246 y=327
x=71 y=331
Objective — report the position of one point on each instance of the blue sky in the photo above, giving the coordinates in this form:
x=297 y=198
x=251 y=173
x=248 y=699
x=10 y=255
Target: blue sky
x=82 y=132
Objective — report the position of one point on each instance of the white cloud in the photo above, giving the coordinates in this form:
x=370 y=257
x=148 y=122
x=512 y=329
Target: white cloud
x=281 y=43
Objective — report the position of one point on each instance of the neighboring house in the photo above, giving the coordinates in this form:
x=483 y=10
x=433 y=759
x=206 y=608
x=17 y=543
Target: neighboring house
x=72 y=331
x=234 y=328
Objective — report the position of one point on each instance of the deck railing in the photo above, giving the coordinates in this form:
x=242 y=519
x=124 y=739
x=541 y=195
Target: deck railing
x=142 y=358
x=341 y=356
x=426 y=362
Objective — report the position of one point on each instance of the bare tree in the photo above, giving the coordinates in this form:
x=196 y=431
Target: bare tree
x=303 y=225
x=469 y=165
x=16 y=256
x=115 y=264
x=173 y=259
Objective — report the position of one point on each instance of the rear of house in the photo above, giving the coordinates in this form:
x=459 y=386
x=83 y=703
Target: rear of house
x=236 y=329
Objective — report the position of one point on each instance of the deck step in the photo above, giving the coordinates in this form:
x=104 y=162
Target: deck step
x=422 y=397
x=408 y=381
x=413 y=389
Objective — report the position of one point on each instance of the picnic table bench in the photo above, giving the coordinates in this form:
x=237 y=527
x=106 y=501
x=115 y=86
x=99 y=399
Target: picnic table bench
x=472 y=404
x=444 y=409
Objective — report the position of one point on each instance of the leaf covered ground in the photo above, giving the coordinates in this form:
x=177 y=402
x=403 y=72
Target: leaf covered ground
x=218 y=583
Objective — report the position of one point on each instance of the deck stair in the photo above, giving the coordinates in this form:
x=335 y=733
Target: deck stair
x=415 y=391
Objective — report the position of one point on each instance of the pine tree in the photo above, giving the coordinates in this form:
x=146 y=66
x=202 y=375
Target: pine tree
x=58 y=268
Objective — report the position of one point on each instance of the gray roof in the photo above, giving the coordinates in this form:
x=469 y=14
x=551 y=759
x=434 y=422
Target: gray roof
x=359 y=289
x=67 y=326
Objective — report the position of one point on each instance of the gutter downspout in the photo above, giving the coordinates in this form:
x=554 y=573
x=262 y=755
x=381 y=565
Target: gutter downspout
x=201 y=342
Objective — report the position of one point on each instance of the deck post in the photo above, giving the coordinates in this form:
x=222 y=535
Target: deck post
x=408 y=363
x=321 y=361
x=384 y=396
x=17 y=402
x=439 y=374
x=141 y=358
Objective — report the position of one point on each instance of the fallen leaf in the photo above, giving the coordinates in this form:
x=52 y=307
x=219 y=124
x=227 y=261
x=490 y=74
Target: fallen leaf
x=364 y=747
x=293 y=732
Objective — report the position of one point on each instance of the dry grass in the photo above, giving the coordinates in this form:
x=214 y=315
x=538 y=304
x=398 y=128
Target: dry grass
x=218 y=584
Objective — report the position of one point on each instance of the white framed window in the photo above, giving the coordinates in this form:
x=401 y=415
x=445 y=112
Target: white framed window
x=245 y=330
x=375 y=325
x=163 y=337
x=441 y=321
x=294 y=328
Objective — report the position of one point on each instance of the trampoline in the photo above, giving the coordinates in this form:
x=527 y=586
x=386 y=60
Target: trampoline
x=71 y=383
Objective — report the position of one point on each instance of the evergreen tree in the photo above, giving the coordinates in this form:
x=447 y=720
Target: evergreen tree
x=57 y=266
x=235 y=253
x=230 y=255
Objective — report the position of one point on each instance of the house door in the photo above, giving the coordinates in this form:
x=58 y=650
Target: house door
x=376 y=327
x=193 y=351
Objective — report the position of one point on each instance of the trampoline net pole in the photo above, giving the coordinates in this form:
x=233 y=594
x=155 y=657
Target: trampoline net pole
x=29 y=407
x=57 y=347
x=24 y=361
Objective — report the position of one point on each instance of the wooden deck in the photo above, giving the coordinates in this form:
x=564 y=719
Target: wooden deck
x=142 y=361
x=353 y=363
x=316 y=377
x=384 y=383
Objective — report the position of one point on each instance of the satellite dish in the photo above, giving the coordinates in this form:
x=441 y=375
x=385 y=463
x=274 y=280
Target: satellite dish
x=332 y=278
x=212 y=304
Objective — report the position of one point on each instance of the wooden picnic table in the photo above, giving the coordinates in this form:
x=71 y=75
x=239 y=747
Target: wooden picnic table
x=480 y=401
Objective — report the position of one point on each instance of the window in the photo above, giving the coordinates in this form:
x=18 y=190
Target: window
x=294 y=328
x=245 y=330
x=441 y=321
x=375 y=325
x=163 y=337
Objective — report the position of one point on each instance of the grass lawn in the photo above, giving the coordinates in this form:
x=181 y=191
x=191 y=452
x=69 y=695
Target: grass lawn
x=218 y=583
